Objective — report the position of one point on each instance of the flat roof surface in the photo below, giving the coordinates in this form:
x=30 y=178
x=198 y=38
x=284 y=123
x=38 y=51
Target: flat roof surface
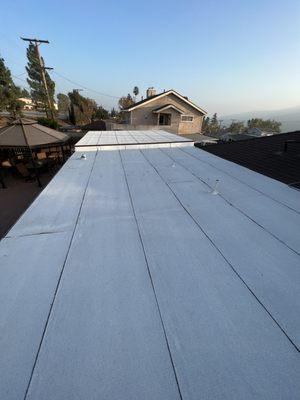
x=119 y=140
x=132 y=276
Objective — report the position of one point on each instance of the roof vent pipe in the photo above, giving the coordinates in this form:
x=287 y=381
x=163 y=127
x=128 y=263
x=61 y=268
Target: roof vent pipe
x=215 y=191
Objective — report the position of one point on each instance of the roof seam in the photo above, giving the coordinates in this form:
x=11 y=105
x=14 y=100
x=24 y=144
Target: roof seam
x=234 y=206
x=151 y=280
x=243 y=182
x=59 y=279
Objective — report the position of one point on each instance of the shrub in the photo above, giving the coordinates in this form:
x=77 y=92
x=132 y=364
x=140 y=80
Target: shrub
x=50 y=123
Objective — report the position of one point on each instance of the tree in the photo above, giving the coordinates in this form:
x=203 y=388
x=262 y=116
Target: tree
x=6 y=85
x=15 y=108
x=24 y=93
x=205 y=125
x=9 y=92
x=236 y=127
x=63 y=102
x=214 y=126
x=135 y=91
x=100 y=113
x=113 y=113
x=50 y=123
x=267 y=124
x=81 y=108
x=35 y=79
x=126 y=101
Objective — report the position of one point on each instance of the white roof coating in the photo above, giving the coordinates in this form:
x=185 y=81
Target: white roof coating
x=130 y=277
x=120 y=140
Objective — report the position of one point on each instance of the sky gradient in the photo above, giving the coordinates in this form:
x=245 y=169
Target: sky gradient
x=227 y=56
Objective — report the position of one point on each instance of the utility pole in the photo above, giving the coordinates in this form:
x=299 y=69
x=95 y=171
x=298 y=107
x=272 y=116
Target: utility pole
x=36 y=43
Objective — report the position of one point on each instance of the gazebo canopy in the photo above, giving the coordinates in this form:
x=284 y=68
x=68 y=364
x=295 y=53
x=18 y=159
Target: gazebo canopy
x=25 y=132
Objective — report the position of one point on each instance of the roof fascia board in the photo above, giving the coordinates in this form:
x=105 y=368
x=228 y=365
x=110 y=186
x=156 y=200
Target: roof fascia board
x=166 y=107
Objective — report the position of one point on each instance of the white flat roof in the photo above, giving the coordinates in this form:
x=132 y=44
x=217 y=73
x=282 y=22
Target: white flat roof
x=119 y=140
x=128 y=278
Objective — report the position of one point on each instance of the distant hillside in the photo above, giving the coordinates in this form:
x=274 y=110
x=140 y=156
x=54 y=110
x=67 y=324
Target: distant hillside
x=289 y=117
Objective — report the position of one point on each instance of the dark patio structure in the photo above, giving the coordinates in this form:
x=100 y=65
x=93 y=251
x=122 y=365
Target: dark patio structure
x=22 y=140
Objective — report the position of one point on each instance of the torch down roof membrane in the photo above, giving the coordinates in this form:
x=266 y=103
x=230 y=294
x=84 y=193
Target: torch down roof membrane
x=154 y=274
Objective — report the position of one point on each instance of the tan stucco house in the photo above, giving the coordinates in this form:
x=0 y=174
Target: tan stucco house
x=168 y=110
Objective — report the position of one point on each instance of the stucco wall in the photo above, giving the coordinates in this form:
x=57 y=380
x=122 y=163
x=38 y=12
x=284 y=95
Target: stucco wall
x=144 y=115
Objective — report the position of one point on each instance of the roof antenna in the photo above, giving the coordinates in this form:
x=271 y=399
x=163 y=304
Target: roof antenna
x=83 y=157
x=215 y=191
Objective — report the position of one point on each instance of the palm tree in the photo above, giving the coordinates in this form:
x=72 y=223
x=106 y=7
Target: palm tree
x=135 y=92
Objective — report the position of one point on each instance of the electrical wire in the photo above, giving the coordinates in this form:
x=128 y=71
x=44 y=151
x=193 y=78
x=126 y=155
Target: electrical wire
x=85 y=87
x=57 y=73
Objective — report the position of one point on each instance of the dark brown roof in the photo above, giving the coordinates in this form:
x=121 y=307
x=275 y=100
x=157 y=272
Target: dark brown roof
x=24 y=132
x=265 y=155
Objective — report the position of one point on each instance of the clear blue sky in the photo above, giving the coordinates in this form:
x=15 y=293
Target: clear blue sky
x=227 y=56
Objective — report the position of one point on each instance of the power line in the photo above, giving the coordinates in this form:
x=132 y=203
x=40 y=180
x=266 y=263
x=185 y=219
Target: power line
x=11 y=40
x=17 y=77
x=85 y=87
x=37 y=41
x=23 y=80
x=23 y=73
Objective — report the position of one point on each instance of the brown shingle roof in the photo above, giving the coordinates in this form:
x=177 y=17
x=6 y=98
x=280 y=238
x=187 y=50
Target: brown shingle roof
x=265 y=155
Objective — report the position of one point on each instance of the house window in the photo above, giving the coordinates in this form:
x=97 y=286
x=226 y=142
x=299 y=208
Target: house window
x=164 y=119
x=187 y=118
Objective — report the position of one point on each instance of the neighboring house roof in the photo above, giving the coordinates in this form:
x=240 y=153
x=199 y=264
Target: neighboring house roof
x=26 y=132
x=166 y=107
x=235 y=136
x=260 y=132
x=266 y=155
x=160 y=95
x=26 y=100
x=206 y=139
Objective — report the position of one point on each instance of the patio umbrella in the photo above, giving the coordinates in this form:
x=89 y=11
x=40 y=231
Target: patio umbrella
x=27 y=133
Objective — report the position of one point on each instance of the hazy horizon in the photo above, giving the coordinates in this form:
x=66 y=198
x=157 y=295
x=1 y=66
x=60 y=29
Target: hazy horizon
x=228 y=57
